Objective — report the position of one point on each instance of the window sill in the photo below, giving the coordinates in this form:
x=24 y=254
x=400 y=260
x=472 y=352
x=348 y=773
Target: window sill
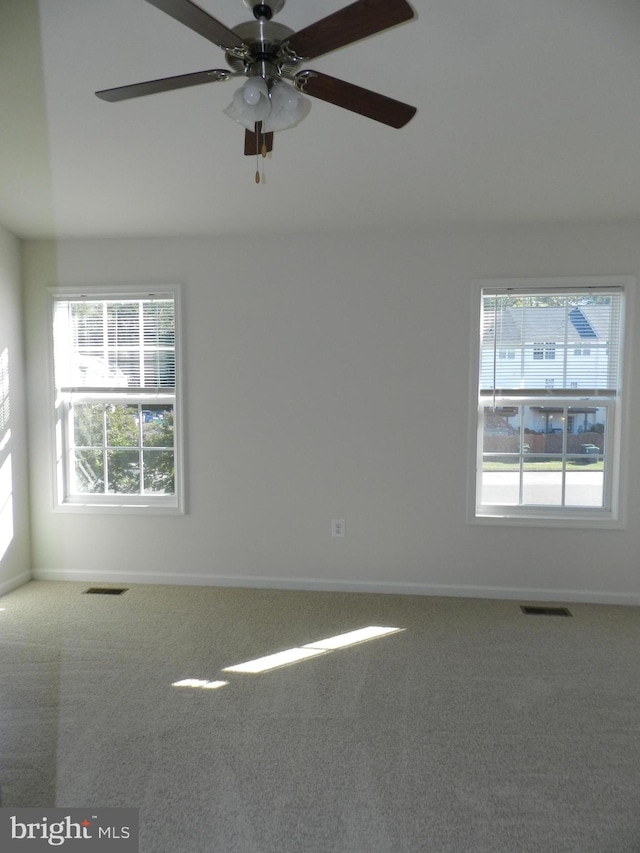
x=531 y=517
x=139 y=506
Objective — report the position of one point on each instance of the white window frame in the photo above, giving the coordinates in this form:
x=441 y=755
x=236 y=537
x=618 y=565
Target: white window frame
x=60 y=420
x=613 y=513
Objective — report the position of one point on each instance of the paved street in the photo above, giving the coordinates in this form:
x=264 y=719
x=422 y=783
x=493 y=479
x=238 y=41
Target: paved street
x=583 y=488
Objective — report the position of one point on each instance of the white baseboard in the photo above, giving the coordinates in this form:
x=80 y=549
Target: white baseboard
x=333 y=585
x=14 y=583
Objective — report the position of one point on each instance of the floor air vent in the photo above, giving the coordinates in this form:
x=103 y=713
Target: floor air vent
x=544 y=611
x=105 y=590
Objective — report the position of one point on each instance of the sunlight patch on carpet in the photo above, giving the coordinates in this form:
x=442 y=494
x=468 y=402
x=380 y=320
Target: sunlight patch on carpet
x=200 y=683
x=319 y=647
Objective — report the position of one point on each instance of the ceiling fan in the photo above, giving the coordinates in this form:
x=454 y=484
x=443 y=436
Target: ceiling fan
x=270 y=55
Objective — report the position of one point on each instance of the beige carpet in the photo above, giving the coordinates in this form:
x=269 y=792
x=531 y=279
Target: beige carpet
x=475 y=728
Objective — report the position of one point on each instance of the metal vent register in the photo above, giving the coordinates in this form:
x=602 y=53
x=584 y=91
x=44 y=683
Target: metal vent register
x=530 y=610
x=105 y=590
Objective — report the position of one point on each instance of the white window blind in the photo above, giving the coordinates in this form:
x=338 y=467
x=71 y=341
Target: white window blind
x=568 y=343
x=115 y=343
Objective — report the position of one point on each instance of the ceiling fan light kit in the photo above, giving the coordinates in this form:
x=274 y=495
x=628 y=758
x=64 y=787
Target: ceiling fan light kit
x=250 y=103
x=270 y=55
x=275 y=103
x=288 y=107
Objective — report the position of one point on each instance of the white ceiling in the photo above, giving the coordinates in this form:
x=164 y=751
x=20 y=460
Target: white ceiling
x=527 y=110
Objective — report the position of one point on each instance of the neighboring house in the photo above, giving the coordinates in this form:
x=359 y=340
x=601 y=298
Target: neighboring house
x=538 y=348
x=95 y=372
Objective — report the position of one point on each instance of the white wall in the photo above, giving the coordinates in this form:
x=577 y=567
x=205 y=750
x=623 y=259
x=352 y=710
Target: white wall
x=327 y=377
x=15 y=560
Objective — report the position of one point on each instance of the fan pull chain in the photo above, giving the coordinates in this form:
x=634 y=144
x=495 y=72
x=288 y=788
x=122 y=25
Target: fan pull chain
x=260 y=150
x=257 y=168
x=257 y=133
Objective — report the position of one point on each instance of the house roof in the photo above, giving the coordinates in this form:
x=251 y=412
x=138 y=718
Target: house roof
x=518 y=325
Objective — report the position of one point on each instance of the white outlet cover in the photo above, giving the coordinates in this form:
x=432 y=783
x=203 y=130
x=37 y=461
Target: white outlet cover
x=337 y=527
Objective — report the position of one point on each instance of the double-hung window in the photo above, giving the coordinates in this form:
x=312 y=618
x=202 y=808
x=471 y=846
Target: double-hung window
x=548 y=430
x=117 y=413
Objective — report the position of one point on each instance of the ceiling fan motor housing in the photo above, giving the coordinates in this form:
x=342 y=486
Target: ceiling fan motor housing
x=263 y=40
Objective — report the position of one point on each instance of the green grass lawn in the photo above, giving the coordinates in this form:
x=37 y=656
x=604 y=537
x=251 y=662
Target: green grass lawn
x=556 y=465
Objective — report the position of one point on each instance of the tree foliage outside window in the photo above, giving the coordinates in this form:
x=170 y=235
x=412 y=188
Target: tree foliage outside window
x=130 y=445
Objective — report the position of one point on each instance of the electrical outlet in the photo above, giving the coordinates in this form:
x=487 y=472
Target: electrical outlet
x=337 y=527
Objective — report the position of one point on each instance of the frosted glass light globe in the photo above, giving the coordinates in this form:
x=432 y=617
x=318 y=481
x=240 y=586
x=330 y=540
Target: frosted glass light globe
x=253 y=90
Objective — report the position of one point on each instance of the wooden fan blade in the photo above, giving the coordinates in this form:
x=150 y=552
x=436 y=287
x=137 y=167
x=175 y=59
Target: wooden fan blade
x=357 y=21
x=349 y=97
x=150 y=87
x=199 y=21
x=253 y=141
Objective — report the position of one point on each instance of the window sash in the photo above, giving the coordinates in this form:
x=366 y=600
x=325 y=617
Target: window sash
x=114 y=342
x=545 y=327
x=116 y=451
x=523 y=459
